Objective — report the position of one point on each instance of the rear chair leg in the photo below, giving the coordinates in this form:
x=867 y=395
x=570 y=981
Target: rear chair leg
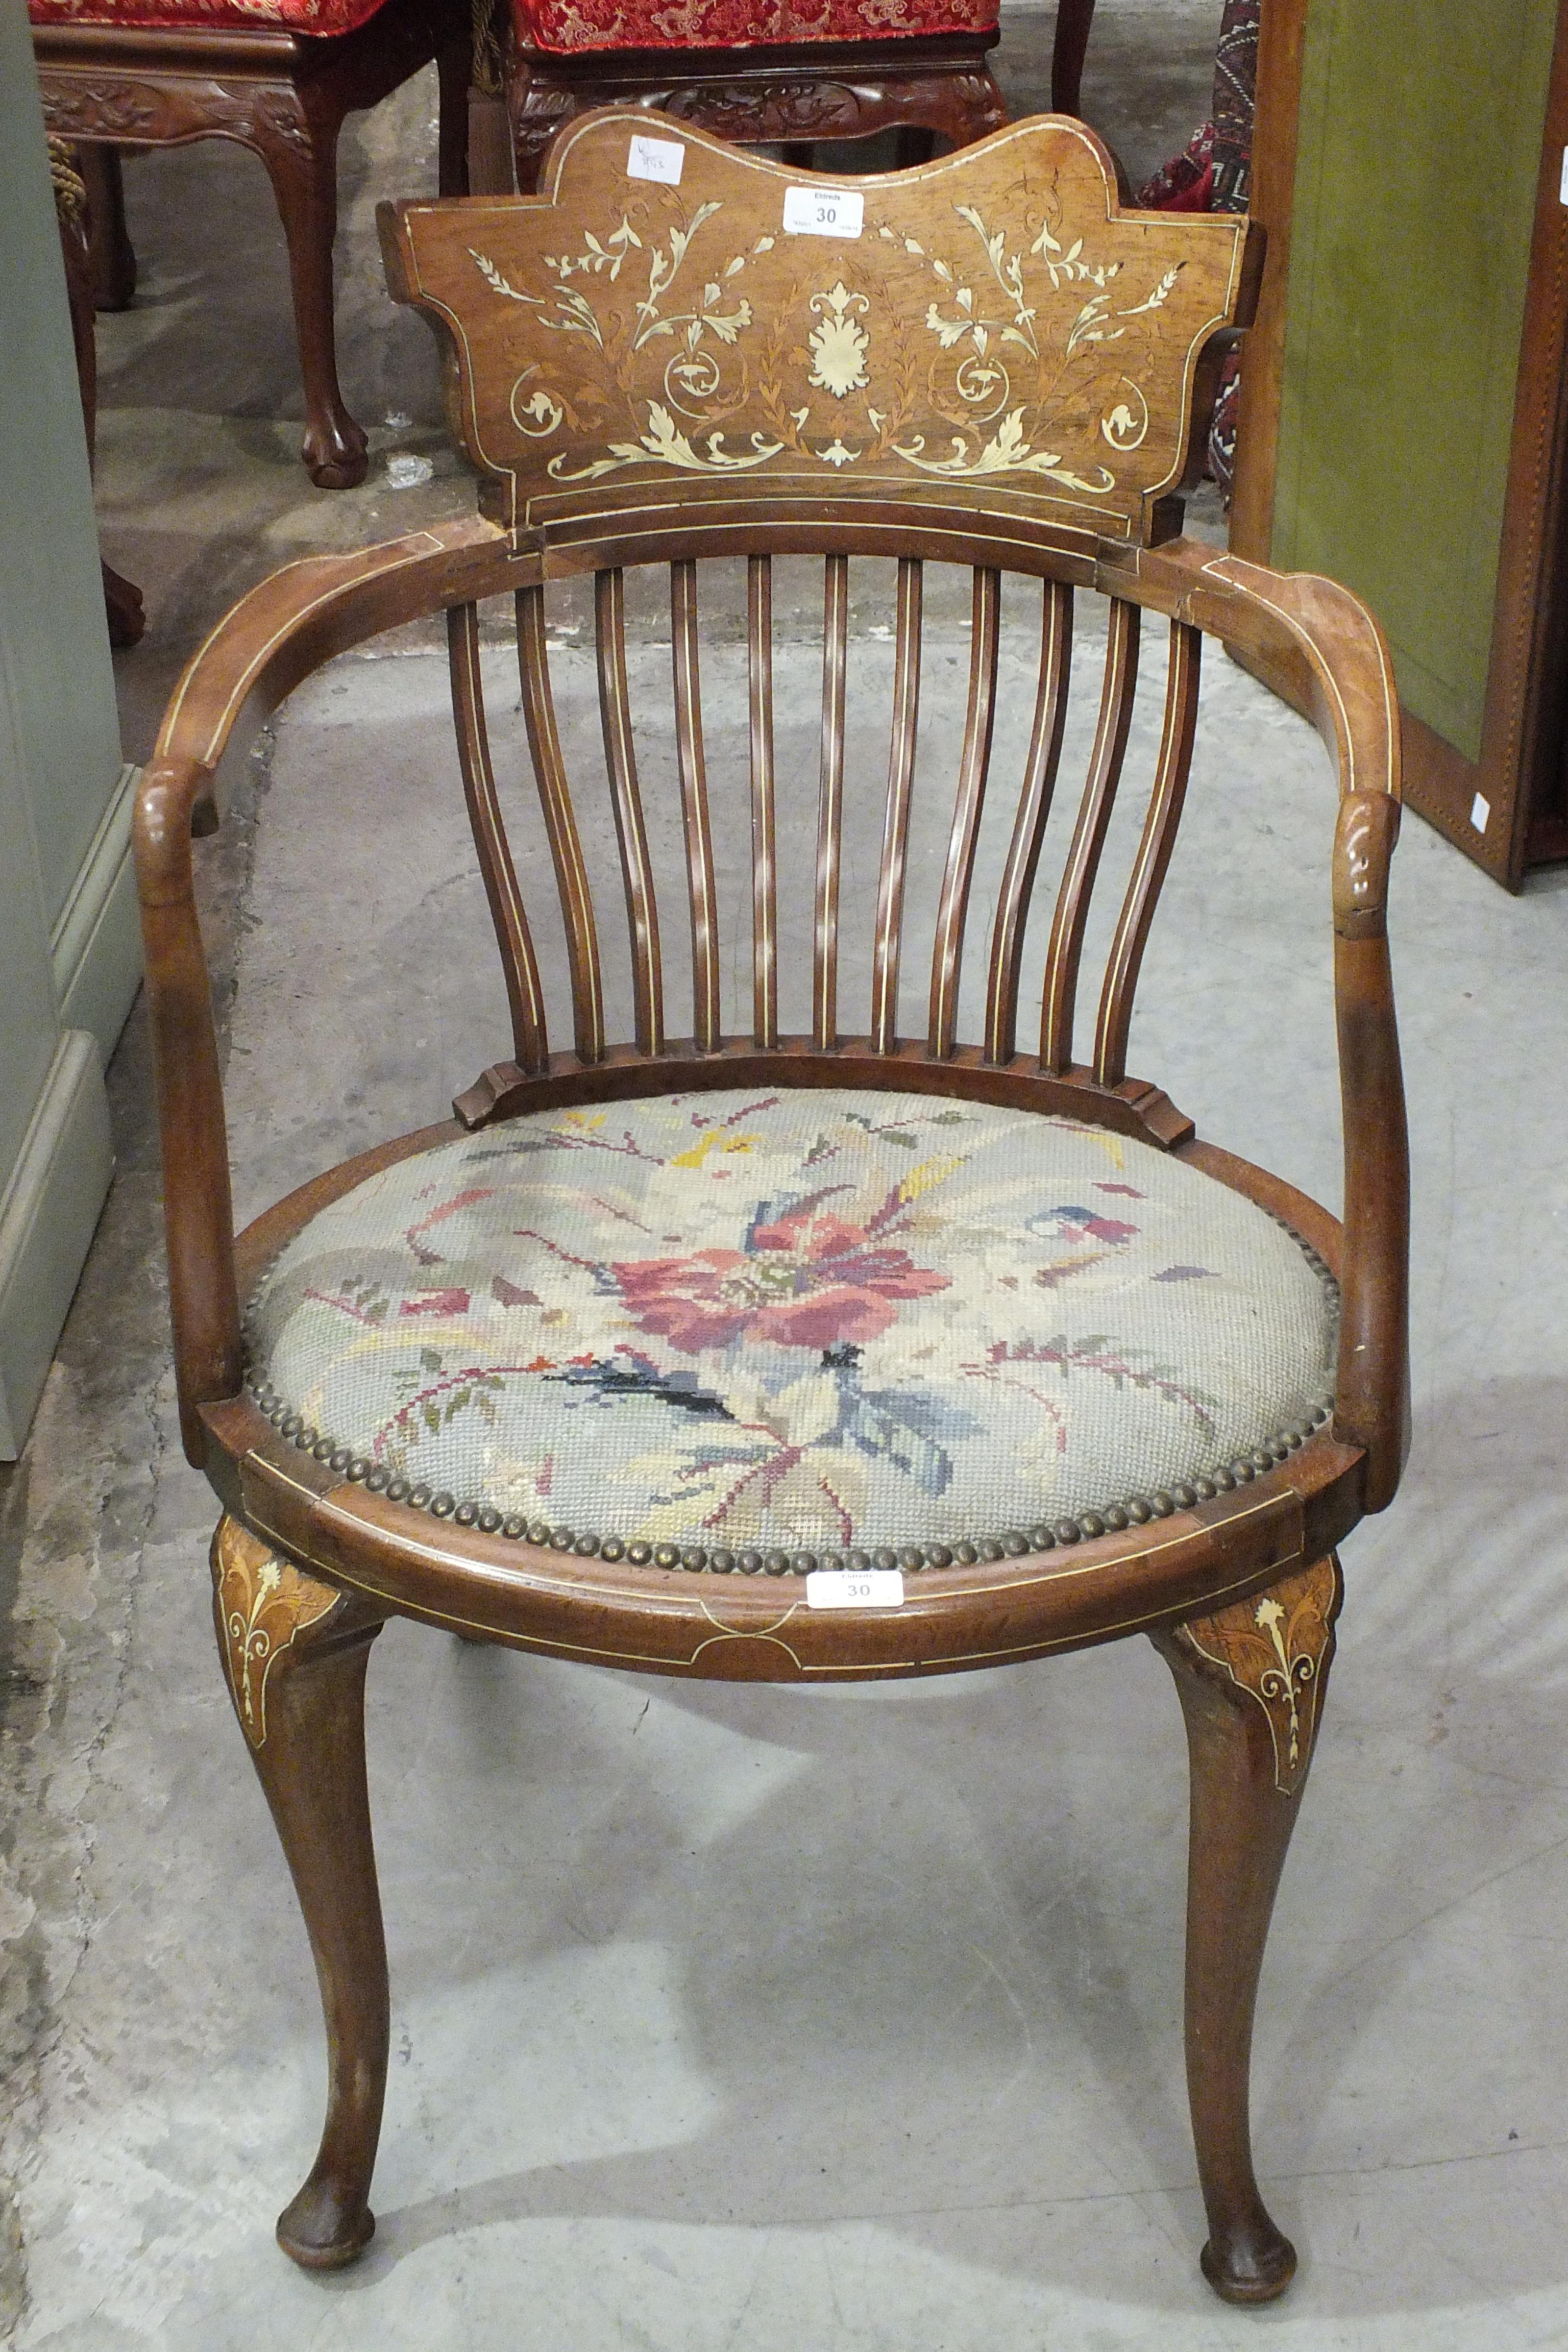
x=112 y=255
x=1074 y=18
x=1250 y=1679
x=452 y=71
x=295 y=1652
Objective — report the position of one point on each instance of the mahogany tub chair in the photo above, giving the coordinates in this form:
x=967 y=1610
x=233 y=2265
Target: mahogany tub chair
x=279 y=77
x=710 y=1350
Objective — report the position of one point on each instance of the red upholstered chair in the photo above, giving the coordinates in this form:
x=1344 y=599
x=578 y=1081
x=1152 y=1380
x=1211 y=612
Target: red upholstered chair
x=785 y=72
x=278 y=76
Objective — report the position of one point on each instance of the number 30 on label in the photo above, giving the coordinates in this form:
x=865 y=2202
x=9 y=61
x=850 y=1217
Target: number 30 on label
x=824 y=212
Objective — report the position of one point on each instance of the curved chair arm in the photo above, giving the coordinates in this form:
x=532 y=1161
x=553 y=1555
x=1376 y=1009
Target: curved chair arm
x=302 y=614
x=275 y=636
x=1344 y=680
x=198 y=1211
x=312 y=610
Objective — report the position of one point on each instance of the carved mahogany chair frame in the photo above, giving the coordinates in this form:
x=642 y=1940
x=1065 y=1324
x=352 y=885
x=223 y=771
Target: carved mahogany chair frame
x=793 y=93
x=283 y=95
x=1236 y=1581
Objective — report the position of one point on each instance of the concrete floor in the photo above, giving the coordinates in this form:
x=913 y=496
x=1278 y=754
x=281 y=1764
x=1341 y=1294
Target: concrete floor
x=750 y=2021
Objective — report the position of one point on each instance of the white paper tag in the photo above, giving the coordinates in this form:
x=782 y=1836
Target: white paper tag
x=1562 y=183
x=854 y=1587
x=824 y=212
x=656 y=159
x=1481 y=811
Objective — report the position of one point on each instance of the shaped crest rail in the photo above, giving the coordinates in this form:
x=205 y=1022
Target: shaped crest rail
x=991 y=324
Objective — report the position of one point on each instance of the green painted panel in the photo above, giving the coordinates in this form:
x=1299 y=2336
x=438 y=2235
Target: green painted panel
x=51 y=597
x=30 y=1016
x=1419 y=146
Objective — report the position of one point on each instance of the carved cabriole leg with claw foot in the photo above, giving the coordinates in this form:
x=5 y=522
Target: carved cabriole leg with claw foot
x=1250 y=1679
x=295 y=132
x=295 y=1650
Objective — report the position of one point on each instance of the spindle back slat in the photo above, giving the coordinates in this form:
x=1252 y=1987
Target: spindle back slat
x=764 y=863
x=974 y=766
x=1170 y=788
x=830 y=800
x=1066 y=950
x=906 y=816
x=1040 y=767
x=560 y=826
x=1006 y=370
x=626 y=798
x=519 y=964
x=887 y=940
x=701 y=884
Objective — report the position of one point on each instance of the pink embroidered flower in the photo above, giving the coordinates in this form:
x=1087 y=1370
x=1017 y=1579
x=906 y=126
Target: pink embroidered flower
x=807 y=1281
x=436 y=1302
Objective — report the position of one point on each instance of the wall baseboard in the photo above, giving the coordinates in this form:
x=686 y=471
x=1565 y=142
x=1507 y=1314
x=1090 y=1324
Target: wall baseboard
x=49 y=1214
x=95 y=950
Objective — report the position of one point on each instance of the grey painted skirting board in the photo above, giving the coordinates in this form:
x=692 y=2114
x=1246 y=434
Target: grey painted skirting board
x=48 y=1216
x=95 y=948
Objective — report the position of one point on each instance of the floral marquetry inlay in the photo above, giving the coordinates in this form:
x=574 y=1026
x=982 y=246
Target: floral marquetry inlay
x=1276 y=1646
x=991 y=317
x=262 y=1603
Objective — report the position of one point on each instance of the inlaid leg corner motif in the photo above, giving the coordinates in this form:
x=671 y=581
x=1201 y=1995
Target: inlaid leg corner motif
x=295 y=1650
x=1277 y=1647
x=262 y=1604
x=1250 y=1680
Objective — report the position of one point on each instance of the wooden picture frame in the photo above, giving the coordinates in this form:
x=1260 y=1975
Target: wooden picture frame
x=1508 y=808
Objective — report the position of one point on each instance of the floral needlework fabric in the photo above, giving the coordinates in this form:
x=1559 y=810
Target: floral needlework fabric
x=568 y=25
x=808 y=1317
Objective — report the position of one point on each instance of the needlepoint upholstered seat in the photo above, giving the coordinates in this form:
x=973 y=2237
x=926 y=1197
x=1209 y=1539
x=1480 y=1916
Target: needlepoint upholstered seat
x=767 y=1329
x=804 y=1324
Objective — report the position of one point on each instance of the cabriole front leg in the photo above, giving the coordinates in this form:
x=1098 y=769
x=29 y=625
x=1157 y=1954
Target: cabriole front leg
x=1250 y=1679
x=295 y=1652
x=298 y=143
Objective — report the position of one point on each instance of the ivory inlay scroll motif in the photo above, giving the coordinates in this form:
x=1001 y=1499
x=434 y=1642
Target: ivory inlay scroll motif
x=263 y=1604
x=1013 y=327
x=1276 y=1646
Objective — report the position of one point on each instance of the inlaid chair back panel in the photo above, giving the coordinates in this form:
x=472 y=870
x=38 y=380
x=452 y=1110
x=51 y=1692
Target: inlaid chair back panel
x=673 y=321
x=766 y=822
